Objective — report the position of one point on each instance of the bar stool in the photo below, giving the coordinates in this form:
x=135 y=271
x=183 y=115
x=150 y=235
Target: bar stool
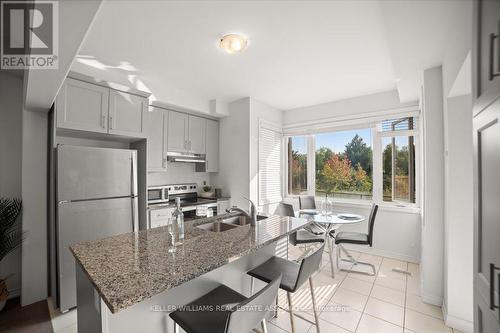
x=293 y=276
x=223 y=310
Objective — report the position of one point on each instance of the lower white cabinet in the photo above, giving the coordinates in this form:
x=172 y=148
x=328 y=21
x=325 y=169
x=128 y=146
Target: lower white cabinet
x=159 y=217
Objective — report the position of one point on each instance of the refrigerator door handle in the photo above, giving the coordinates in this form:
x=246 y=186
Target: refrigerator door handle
x=135 y=213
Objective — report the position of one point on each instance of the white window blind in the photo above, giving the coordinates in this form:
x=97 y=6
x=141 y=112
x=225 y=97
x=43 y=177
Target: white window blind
x=269 y=165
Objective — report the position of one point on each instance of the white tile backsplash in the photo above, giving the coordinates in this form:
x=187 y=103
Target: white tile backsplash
x=178 y=173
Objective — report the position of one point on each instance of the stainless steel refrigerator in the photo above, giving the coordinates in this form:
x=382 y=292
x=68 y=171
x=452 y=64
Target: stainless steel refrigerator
x=96 y=198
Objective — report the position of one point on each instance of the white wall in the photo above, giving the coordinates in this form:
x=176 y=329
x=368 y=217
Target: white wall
x=10 y=164
x=259 y=112
x=352 y=107
x=433 y=210
x=390 y=222
x=458 y=282
x=178 y=173
x=34 y=193
x=234 y=149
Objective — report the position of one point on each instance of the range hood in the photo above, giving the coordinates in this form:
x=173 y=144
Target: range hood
x=185 y=157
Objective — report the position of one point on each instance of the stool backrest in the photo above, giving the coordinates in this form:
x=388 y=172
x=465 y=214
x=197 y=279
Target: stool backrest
x=307 y=202
x=248 y=314
x=308 y=266
x=284 y=209
x=371 y=223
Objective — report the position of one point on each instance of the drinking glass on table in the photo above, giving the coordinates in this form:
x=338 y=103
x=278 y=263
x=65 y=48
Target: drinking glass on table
x=173 y=230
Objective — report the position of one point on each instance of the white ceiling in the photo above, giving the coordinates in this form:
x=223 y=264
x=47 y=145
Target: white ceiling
x=301 y=52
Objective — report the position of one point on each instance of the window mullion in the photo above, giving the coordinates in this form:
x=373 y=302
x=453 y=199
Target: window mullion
x=378 y=176
x=311 y=165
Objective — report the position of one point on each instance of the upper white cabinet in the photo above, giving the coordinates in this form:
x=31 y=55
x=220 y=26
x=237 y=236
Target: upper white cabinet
x=82 y=106
x=154 y=129
x=177 y=130
x=196 y=135
x=92 y=107
x=186 y=133
x=212 y=146
x=126 y=113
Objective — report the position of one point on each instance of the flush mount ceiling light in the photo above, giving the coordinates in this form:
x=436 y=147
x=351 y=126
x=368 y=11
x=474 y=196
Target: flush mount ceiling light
x=233 y=43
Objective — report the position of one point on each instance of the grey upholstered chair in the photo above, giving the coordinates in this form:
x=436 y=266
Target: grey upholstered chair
x=231 y=312
x=307 y=202
x=293 y=276
x=303 y=236
x=358 y=238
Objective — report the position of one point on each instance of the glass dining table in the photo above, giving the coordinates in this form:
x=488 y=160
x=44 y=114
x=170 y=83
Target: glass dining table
x=328 y=222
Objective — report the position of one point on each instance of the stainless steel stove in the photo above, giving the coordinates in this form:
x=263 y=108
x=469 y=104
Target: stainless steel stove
x=161 y=202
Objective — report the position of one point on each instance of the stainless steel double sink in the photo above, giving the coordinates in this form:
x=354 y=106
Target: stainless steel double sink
x=228 y=223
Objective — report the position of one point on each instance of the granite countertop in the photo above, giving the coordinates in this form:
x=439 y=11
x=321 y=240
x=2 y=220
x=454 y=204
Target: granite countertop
x=129 y=268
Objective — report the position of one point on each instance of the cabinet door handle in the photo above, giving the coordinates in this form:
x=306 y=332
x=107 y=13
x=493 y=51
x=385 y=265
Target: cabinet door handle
x=103 y=121
x=493 y=268
x=492 y=73
x=110 y=122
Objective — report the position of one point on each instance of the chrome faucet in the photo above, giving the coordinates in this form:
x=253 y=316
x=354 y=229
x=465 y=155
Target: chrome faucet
x=252 y=215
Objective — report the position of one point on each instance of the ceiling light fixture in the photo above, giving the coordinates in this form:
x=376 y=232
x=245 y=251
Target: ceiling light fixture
x=233 y=43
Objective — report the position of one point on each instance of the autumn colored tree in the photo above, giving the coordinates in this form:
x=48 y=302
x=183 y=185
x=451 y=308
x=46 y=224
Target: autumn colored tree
x=336 y=174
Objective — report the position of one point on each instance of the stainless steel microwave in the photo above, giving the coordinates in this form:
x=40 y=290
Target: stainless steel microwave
x=157 y=194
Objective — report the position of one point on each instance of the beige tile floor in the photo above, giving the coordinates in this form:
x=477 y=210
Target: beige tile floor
x=385 y=303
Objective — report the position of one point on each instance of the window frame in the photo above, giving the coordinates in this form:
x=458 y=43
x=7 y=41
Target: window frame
x=377 y=160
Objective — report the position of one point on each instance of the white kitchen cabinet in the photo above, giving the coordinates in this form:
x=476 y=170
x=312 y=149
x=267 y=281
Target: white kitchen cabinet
x=126 y=113
x=186 y=133
x=154 y=130
x=159 y=217
x=196 y=134
x=177 y=132
x=82 y=106
x=212 y=146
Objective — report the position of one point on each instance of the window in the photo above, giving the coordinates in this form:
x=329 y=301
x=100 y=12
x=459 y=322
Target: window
x=344 y=164
x=297 y=165
x=269 y=166
x=375 y=161
x=398 y=160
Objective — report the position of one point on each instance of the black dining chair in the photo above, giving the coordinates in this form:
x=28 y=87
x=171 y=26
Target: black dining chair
x=302 y=236
x=309 y=235
x=346 y=237
x=224 y=310
x=293 y=276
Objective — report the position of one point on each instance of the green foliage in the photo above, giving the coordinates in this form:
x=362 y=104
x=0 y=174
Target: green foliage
x=11 y=235
x=299 y=171
x=358 y=152
x=401 y=169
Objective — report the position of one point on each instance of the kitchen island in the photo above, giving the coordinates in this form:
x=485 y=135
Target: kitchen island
x=130 y=282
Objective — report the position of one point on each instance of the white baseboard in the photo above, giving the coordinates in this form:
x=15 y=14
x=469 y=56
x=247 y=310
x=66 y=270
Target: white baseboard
x=460 y=324
x=383 y=253
x=430 y=299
